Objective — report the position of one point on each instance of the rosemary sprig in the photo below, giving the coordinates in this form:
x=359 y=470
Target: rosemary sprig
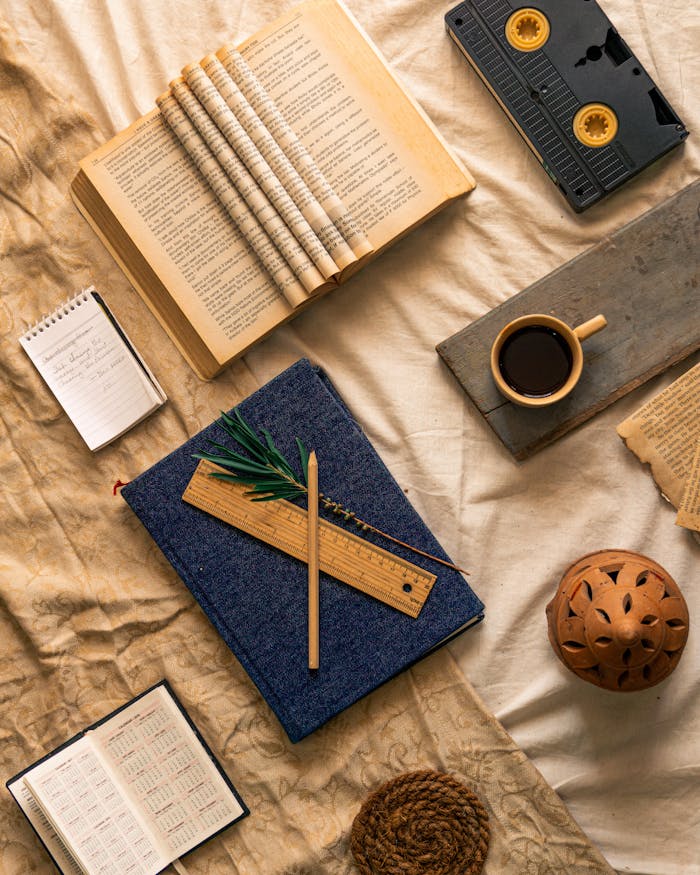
x=271 y=477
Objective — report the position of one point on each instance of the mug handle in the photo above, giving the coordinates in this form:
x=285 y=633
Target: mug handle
x=592 y=326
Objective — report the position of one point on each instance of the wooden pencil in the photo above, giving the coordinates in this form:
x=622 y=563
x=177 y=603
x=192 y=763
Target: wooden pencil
x=312 y=482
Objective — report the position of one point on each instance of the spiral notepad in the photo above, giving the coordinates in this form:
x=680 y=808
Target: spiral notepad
x=92 y=368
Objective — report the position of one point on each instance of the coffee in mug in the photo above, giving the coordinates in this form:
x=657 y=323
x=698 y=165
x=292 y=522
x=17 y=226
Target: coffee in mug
x=536 y=360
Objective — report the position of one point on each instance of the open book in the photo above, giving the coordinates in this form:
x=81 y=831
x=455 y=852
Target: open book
x=266 y=175
x=129 y=795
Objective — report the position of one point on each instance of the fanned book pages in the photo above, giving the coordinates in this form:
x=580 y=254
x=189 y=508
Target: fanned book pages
x=256 y=596
x=130 y=794
x=268 y=174
x=92 y=368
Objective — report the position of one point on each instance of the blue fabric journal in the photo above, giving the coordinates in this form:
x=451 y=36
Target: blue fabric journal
x=256 y=596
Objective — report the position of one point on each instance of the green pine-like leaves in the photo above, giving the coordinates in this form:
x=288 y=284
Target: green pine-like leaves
x=264 y=469
x=270 y=475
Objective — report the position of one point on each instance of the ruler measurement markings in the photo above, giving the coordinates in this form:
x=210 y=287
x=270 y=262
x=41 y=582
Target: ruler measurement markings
x=342 y=554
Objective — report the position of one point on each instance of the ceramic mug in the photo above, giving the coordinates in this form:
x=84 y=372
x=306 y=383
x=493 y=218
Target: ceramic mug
x=537 y=360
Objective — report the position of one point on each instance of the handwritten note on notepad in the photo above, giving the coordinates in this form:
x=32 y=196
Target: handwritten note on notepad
x=92 y=368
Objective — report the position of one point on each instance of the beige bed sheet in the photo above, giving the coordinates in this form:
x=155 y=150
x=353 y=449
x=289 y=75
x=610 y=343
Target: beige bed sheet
x=90 y=611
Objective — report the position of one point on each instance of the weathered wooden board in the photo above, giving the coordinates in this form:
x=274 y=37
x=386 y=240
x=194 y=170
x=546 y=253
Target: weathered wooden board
x=644 y=279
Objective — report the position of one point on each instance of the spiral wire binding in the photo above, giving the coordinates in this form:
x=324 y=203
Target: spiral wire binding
x=45 y=322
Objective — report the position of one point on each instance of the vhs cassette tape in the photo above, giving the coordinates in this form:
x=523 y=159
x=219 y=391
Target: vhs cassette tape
x=572 y=87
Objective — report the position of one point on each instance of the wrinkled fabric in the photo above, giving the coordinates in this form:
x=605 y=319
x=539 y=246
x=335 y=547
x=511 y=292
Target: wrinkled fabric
x=91 y=613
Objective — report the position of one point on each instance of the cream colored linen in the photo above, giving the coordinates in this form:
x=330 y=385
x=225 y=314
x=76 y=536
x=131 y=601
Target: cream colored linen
x=90 y=616
x=91 y=612
x=89 y=619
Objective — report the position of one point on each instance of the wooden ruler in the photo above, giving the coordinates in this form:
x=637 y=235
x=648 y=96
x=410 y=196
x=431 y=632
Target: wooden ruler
x=342 y=554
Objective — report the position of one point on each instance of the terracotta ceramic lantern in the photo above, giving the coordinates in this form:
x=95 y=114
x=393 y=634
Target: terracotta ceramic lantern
x=618 y=620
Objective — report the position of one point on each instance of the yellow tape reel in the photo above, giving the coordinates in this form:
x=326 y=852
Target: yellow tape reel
x=595 y=124
x=527 y=29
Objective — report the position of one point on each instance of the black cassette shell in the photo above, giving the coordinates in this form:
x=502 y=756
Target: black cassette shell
x=584 y=63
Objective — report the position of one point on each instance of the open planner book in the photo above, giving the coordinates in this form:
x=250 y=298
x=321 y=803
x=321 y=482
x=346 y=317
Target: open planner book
x=129 y=795
x=266 y=175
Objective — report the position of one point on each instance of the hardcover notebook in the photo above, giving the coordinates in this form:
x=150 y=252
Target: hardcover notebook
x=130 y=794
x=256 y=596
x=93 y=370
x=267 y=175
